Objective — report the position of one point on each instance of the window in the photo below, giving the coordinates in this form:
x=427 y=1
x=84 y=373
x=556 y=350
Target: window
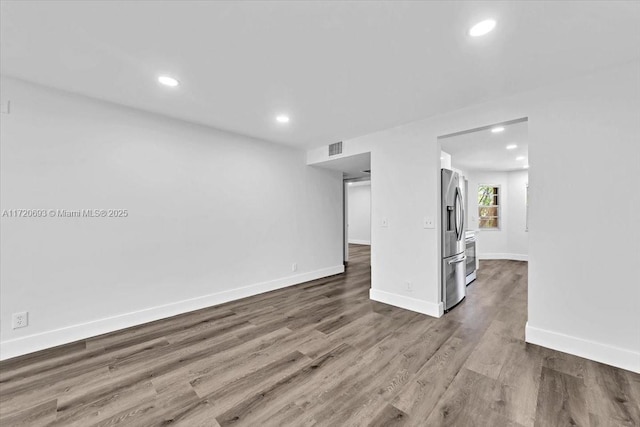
x=489 y=206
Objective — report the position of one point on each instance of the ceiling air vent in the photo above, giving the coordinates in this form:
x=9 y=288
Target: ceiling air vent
x=335 y=148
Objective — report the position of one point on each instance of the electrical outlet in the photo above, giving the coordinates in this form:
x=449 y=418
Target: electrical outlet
x=294 y=267
x=409 y=287
x=428 y=222
x=20 y=320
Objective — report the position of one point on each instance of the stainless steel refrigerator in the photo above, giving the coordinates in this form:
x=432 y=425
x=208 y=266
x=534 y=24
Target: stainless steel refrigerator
x=453 y=244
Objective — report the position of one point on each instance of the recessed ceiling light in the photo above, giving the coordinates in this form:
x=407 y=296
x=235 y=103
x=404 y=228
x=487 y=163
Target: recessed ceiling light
x=282 y=119
x=497 y=129
x=526 y=166
x=168 y=81
x=482 y=28
x=511 y=146
x=520 y=158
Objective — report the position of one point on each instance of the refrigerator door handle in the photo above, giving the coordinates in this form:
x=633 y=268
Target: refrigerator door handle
x=461 y=215
x=458 y=215
x=455 y=214
x=457 y=260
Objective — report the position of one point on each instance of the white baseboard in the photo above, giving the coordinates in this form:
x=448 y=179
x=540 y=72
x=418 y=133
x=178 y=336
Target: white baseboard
x=408 y=303
x=614 y=356
x=56 y=337
x=513 y=257
x=360 y=242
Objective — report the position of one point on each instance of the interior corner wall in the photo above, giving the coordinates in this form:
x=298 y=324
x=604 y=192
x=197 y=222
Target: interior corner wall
x=517 y=236
x=211 y=216
x=359 y=213
x=445 y=160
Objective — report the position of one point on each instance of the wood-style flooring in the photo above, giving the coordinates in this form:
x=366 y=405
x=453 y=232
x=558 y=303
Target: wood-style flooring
x=321 y=353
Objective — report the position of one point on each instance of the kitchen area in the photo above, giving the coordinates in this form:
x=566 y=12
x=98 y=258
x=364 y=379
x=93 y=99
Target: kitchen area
x=484 y=208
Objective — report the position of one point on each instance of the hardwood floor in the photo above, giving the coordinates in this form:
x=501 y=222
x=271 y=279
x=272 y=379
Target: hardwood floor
x=322 y=353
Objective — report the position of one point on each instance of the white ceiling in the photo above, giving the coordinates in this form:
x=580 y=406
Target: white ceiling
x=486 y=151
x=339 y=69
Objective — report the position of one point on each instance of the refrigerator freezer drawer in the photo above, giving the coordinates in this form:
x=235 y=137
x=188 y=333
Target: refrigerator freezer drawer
x=453 y=280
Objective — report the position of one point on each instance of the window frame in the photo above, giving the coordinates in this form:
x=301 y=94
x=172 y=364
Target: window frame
x=499 y=206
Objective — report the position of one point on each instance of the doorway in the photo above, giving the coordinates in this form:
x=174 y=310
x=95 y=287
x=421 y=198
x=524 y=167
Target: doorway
x=356 y=175
x=357 y=214
x=492 y=164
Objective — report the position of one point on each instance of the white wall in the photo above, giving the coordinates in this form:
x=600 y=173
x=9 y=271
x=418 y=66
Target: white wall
x=510 y=241
x=213 y=216
x=445 y=160
x=582 y=299
x=518 y=237
x=359 y=194
x=584 y=296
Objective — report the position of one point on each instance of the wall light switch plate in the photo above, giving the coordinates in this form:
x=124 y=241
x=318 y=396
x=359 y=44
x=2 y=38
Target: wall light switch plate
x=384 y=222
x=428 y=222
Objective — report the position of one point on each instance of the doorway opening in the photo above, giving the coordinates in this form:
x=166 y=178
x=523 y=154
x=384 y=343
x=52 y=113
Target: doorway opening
x=357 y=214
x=490 y=167
x=356 y=190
